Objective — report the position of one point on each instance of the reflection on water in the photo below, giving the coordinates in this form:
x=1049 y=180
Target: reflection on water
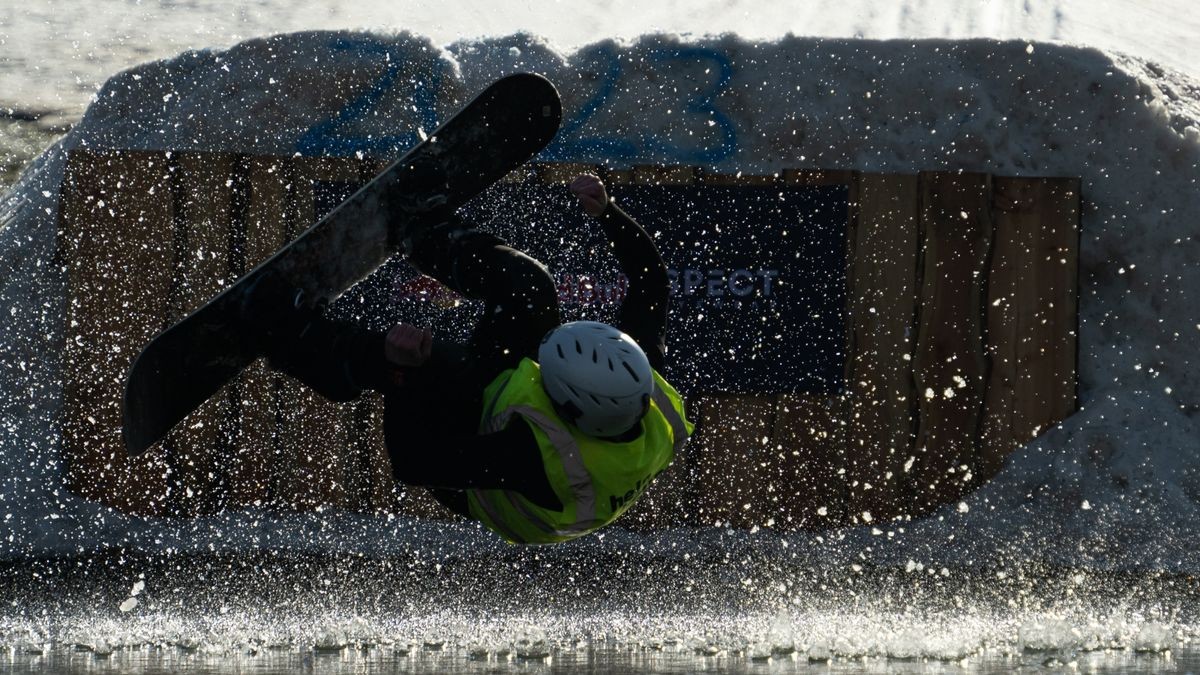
x=583 y=659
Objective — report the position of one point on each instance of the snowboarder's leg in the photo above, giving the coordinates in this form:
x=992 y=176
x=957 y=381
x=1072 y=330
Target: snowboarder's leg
x=337 y=359
x=520 y=295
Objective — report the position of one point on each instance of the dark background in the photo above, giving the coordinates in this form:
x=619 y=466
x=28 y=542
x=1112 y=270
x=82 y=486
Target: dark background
x=758 y=299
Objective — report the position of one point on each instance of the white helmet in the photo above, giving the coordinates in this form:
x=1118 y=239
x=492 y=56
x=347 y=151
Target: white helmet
x=598 y=378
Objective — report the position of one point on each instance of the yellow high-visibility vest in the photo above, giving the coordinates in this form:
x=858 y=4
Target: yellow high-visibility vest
x=594 y=479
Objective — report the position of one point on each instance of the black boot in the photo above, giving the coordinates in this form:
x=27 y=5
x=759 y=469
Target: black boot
x=336 y=359
x=437 y=250
x=275 y=312
x=418 y=201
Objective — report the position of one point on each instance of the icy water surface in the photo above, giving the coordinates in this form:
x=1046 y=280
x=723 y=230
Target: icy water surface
x=589 y=659
x=554 y=613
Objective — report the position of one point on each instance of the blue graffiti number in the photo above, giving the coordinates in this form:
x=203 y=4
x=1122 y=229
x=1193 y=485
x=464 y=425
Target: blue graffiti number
x=329 y=137
x=573 y=143
x=570 y=144
x=703 y=106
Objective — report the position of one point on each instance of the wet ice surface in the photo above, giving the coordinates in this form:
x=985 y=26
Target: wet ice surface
x=602 y=659
x=545 y=611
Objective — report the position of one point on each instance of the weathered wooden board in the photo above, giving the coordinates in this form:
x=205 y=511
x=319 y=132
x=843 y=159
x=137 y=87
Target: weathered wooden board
x=255 y=452
x=961 y=346
x=733 y=449
x=883 y=293
x=809 y=462
x=1032 y=313
x=202 y=208
x=115 y=224
x=949 y=366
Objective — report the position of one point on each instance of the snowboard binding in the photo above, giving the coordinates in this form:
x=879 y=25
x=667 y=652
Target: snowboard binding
x=275 y=312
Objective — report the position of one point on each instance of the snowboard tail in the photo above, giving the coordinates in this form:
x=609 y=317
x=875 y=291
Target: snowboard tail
x=503 y=127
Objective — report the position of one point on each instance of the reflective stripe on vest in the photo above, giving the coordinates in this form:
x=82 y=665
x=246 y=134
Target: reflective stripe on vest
x=498 y=520
x=678 y=429
x=578 y=477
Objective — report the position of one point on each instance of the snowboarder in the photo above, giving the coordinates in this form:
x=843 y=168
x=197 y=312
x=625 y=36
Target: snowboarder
x=542 y=431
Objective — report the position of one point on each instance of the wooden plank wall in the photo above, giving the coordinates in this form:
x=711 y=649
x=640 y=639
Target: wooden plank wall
x=961 y=334
x=113 y=206
x=961 y=345
x=882 y=313
x=155 y=235
x=948 y=366
x=1032 y=310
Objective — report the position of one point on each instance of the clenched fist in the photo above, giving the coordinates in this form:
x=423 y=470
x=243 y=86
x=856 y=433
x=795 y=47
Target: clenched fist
x=407 y=345
x=591 y=193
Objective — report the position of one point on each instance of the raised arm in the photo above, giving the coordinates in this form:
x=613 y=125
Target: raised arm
x=643 y=313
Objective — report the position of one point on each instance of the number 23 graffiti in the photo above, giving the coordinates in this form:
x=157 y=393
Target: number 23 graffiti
x=697 y=107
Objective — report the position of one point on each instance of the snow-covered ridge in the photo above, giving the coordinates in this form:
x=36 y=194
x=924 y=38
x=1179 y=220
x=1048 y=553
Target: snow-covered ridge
x=53 y=61
x=1124 y=472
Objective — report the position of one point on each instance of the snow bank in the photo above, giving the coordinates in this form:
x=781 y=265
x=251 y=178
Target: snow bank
x=1116 y=485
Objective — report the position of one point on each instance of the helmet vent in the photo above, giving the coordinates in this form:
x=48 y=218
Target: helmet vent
x=632 y=374
x=599 y=401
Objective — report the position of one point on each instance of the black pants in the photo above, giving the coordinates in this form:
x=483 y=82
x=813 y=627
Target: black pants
x=429 y=406
x=519 y=295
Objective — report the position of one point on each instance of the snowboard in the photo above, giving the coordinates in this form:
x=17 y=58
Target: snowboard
x=504 y=126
